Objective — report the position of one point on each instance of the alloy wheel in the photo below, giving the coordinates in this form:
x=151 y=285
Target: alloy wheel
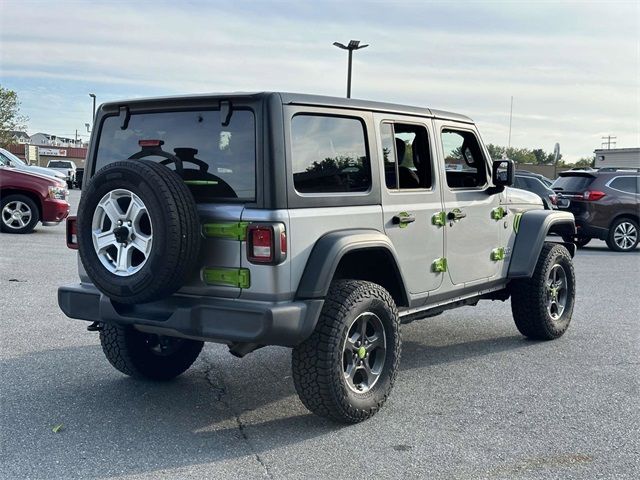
x=16 y=215
x=364 y=352
x=122 y=232
x=557 y=290
x=625 y=235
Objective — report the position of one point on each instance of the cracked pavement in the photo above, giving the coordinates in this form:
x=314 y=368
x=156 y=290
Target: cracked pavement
x=473 y=399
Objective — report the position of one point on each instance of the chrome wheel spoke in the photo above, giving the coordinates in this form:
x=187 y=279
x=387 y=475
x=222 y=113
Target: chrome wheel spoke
x=103 y=240
x=111 y=208
x=142 y=243
x=136 y=209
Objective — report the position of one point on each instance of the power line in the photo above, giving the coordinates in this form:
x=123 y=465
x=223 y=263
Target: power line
x=608 y=140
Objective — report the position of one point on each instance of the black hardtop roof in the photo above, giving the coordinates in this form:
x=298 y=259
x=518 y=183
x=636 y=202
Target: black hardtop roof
x=305 y=99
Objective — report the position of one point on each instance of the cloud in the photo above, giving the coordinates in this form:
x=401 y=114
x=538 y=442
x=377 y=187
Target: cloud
x=572 y=68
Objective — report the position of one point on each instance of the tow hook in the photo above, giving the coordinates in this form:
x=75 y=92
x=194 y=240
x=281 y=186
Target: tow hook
x=95 y=327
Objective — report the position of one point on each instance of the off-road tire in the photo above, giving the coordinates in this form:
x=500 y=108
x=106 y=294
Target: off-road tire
x=529 y=296
x=317 y=363
x=176 y=231
x=579 y=241
x=611 y=243
x=35 y=214
x=130 y=352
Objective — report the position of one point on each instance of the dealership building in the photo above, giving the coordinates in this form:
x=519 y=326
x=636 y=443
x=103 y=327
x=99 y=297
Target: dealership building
x=617 y=157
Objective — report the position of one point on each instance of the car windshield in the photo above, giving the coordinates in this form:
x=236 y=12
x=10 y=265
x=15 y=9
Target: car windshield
x=218 y=161
x=15 y=160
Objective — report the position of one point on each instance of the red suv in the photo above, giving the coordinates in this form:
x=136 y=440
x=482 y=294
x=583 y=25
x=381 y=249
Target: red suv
x=605 y=203
x=27 y=198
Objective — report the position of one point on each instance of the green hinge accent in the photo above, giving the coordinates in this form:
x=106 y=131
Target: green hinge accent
x=231 y=277
x=439 y=265
x=516 y=222
x=498 y=213
x=233 y=230
x=201 y=182
x=497 y=254
x=439 y=219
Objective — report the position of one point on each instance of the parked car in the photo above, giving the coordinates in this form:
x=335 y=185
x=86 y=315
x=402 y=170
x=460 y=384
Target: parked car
x=27 y=198
x=8 y=159
x=606 y=204
x=79 y=177
x=311 y=222
x=67 y=167
x=537 y=184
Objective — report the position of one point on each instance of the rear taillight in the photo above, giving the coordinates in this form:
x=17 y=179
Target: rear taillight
x=553 y=198
x=266 y=243
x=72 y=232
x=592 y=195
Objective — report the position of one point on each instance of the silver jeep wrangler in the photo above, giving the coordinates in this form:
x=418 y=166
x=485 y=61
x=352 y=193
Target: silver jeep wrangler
x=312 y=222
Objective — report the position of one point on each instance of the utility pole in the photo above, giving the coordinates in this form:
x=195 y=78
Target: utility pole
x=608 y=140
x=353 y=45
x=510 y=121
x=76 y=137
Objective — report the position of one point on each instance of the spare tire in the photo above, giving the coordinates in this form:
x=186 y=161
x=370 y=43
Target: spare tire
x=138 y=231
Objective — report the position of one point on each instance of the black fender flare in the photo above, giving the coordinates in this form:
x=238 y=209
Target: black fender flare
x=329 y=250
x=533 y=228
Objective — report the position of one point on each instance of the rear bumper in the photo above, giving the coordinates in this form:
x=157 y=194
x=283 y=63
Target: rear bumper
x=584 y=229
x=209 y=319
x=54 y=211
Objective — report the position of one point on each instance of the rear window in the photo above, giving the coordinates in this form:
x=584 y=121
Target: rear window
x=573 y=183
x=219 y=162
x=329 y=155
x=59 y=164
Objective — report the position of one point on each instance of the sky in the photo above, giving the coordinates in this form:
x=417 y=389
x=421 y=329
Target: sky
x=573 y=68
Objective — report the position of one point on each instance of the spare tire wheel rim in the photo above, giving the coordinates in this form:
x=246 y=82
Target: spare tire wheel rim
x=122 y=232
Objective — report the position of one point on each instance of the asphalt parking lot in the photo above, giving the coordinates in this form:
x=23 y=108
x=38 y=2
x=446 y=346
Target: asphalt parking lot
x=473 y=398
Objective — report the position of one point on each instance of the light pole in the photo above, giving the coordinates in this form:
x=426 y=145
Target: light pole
x=353 y=45
x=93 y=118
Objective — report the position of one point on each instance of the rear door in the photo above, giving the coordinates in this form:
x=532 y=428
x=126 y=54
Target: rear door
x=472 y=232
x=411 y=198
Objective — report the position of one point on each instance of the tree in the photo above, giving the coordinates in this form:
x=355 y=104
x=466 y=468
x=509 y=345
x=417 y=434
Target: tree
x=495 y=151
x=585 y=162
x=10 y=117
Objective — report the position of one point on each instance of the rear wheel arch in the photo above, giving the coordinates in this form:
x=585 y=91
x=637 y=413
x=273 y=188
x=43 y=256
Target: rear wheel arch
x=363 y=254
x=619 y=216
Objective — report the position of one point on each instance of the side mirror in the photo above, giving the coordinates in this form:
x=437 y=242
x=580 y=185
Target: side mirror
x=502 y=173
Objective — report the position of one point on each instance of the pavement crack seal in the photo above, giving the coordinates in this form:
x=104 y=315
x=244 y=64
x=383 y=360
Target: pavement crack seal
x=216 y=381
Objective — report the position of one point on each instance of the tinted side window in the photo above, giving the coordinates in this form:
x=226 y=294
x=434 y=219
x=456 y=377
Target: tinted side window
x=329 y=154
x=625 y=184
x=406 y=154
x=464 y=162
